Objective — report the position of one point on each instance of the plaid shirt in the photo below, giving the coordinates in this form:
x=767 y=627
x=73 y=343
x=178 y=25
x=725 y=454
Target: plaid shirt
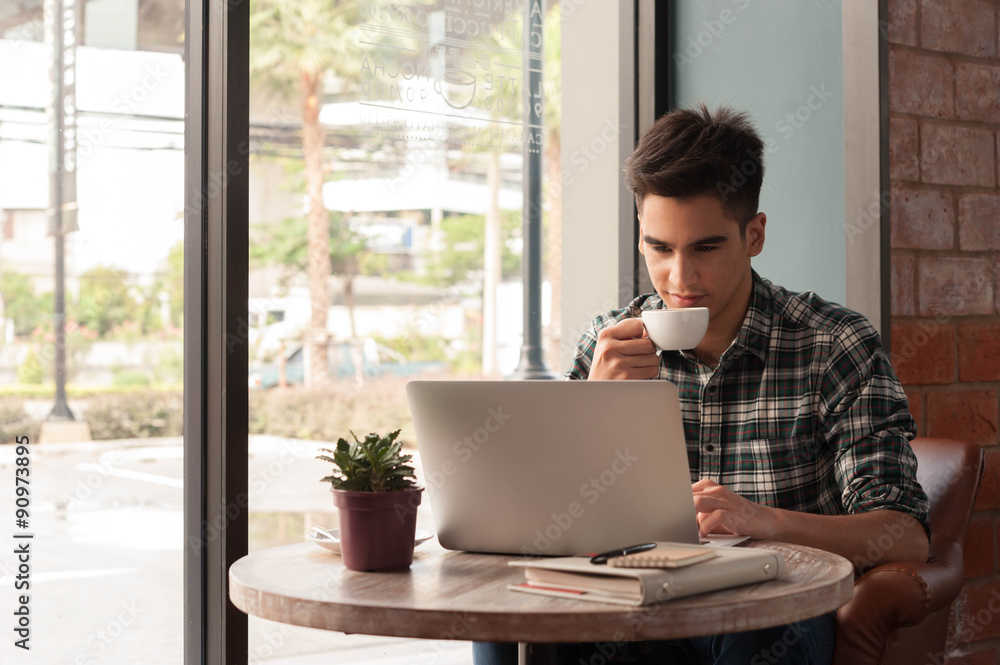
x=803 y=412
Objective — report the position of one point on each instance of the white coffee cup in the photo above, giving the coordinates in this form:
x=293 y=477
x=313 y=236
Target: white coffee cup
x=676 y=329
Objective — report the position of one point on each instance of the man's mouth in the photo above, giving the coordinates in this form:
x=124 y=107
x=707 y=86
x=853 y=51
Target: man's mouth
x=688 y=300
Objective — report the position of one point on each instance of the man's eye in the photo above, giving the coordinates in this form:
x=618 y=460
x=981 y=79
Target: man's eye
x=660 y=249
x=707 y=248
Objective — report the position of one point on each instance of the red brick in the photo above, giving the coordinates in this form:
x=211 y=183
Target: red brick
x=921 y=218
x=996 y=282
x=989 y=491
x=979 y=352
x=953 y=155
x=916 y=401
x=996 y=536
x=967 y=415
x=979 y=617
x=901 y=285
x=977 y=92
x=979 y=222
x=902 y=25
x=924 y=353
x=979 y=550
x=959 y=26
x=954 y=286
x=921 y=84
x=903 y=162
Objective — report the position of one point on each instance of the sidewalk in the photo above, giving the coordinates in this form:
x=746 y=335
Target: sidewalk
x=107 y=558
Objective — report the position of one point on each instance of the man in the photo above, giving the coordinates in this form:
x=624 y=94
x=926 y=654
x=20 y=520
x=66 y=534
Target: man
x=797 y=428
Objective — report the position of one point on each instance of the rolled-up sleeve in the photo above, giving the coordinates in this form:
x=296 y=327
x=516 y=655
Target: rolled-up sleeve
x=867 y=422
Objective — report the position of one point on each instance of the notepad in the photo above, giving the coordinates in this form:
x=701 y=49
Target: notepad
x=663 y=557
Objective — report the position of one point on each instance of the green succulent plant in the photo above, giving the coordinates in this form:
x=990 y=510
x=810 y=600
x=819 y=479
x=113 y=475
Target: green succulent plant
x=373 y=465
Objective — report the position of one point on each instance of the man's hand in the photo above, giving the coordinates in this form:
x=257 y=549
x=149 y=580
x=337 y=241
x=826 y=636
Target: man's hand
x=720 y=510
x=866 y=539
x=624 y=352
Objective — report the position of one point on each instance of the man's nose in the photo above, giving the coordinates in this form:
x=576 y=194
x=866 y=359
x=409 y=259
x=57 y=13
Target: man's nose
x=682 y=273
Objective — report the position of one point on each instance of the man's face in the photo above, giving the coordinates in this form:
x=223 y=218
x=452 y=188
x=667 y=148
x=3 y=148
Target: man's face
x=696 y=255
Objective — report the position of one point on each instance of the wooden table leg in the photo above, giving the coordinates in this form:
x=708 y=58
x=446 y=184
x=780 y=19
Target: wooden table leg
x=537 y=654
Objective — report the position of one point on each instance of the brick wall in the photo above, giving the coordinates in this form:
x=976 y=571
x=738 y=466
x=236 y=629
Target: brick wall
x=944 y=129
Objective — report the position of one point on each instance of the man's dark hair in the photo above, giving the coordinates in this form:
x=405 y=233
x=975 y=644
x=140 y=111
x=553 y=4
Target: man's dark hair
x=690 y=153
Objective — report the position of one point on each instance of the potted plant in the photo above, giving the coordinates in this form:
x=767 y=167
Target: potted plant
x=375 y=492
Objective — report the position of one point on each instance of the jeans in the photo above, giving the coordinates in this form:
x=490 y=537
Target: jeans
x=808 y=642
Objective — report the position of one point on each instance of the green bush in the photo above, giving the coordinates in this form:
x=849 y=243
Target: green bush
x=26 y=309
x=14 y=422
x=326 y=414
x=416 y=347
x=169 y=366
x=130 y=377
x=31 y=371
x=135 y=415
x=79 y=391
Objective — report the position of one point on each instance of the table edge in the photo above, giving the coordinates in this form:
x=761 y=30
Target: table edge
x=614 y=622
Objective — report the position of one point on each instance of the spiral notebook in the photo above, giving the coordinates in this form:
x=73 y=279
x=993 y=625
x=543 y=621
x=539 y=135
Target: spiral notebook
x=664 y=556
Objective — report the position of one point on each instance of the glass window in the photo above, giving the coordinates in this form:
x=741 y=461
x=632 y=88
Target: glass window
x=387 y=168
x=91 y=203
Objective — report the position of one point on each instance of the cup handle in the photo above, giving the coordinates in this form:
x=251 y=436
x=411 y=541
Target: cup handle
x=645 y=333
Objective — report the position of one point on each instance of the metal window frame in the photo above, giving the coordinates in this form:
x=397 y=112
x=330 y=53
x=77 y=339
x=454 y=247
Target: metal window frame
x=866 y=157
x=216 y=137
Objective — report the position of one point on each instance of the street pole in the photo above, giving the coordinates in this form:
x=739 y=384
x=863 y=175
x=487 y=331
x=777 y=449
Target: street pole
x=532 y=362
x=60 y=34
x=60 y=410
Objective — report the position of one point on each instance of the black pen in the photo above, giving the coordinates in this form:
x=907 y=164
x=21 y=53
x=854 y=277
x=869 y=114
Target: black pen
x=604 y=556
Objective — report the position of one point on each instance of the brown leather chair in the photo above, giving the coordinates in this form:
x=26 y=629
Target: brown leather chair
x=899 y=612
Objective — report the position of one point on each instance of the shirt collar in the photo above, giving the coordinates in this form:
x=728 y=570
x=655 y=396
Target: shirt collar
x=755 y=333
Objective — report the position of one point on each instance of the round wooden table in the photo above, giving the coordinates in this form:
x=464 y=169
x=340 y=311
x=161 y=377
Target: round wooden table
x=462 y=596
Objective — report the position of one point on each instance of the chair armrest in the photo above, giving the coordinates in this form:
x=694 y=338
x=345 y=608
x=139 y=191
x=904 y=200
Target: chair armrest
x=910 y=590
x=902 y=594
x=892 y=596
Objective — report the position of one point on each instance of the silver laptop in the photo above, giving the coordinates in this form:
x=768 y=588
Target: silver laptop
x=553 y=467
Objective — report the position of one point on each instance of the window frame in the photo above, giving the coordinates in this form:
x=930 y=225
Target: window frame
x=216 y=135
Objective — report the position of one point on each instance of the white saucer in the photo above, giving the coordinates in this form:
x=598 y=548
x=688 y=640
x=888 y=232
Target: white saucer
x=421 y=536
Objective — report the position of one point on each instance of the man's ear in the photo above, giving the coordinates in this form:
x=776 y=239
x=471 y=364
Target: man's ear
x=642 y=245
x=754 y=234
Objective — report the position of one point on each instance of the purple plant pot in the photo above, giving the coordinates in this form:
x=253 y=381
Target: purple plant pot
x=377 y=528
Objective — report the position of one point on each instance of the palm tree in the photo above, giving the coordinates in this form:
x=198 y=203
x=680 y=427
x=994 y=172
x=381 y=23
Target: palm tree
x=295 y=46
